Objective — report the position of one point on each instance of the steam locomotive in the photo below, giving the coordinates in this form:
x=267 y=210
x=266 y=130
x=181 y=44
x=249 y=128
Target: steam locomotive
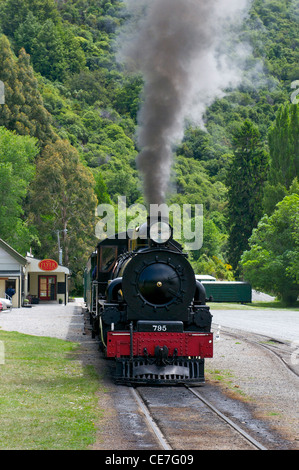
x=147 y=308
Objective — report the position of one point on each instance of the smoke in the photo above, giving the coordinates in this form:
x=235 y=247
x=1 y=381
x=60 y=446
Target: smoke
x=188 y=54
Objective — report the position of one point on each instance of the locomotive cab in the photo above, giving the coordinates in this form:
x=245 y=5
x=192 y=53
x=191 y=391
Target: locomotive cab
x=152 y=318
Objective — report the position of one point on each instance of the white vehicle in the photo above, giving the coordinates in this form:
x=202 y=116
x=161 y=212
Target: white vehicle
x=6 y=303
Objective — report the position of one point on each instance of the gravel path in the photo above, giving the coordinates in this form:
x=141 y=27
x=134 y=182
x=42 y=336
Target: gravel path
x=49 y=319
x=261 y=380
x=278 y=324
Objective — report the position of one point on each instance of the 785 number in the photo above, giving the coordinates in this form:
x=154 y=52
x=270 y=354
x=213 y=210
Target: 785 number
x=159 y=327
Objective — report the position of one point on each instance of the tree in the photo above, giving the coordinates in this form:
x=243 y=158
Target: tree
x=14 y=12
x=208 y=259
x=272 y=262
x=25 y=35
x=23 y=110
x=91 y=87
x=245 y=180
x=101 y=189
x=284 y=155
x=17 y=154
x=196 y=144
x=56 y=51
x=49 y=53
x=127 y=97
x=62 y=198
x=120 y=180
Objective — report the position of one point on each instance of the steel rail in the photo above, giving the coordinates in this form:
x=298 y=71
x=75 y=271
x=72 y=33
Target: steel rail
x=162 y=440
x=249 y=438
x=240 y=335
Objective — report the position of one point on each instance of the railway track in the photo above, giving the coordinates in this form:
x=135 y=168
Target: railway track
x=182 y=419
x=156 y=418
x=286 y=351
x=169 y=421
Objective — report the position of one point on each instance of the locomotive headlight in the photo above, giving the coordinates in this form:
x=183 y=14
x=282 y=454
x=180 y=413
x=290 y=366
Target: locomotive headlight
x=160 y=232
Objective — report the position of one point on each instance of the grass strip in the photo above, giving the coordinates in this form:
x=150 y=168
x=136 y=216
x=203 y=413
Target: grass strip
x=48 y=399
x=275 y=305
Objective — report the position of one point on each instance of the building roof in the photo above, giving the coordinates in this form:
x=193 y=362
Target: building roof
x=33 y=266
x=19 y=258
x=204 y=277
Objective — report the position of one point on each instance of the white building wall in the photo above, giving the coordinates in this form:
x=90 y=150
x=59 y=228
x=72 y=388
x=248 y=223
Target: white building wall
x=7 y=262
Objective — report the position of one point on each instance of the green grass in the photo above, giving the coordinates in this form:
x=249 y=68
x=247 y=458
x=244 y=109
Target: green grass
x=252 y=306
x=48 y=399
x=228 y=306
x=226 y=379
x=275 y=305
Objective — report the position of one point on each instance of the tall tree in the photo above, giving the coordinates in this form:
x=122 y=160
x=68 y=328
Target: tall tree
x=272 y=261
x=245 y=180
x=63 y=199
x=23 y=110
x=54 y=49
x=14 y=12
x=284 y=155
x=17 y=154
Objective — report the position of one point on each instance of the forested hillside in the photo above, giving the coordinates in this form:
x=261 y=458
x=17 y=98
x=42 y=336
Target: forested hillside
x=68 y=140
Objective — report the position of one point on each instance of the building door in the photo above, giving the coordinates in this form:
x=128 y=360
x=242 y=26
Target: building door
x=47 y=287
x=10 y=287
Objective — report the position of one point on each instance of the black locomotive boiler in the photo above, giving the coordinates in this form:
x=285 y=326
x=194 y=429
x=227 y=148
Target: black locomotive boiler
x=147 y=308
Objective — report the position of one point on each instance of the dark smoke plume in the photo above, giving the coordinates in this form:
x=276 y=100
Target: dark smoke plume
x=176 y=45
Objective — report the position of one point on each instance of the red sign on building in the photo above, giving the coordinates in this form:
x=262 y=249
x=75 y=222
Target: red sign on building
x=48 y=265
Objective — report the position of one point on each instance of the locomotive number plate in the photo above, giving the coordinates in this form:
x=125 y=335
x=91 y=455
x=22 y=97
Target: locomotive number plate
x=160 y=326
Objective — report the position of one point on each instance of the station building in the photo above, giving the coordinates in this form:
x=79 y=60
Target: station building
x=32 y=279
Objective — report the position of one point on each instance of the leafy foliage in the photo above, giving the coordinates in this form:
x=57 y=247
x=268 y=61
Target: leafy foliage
x=23 y=110
x=64 y=87
x=245 y=179
x=62 y=196
x=17 y=170
x=272 y=261
x=284 y=155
